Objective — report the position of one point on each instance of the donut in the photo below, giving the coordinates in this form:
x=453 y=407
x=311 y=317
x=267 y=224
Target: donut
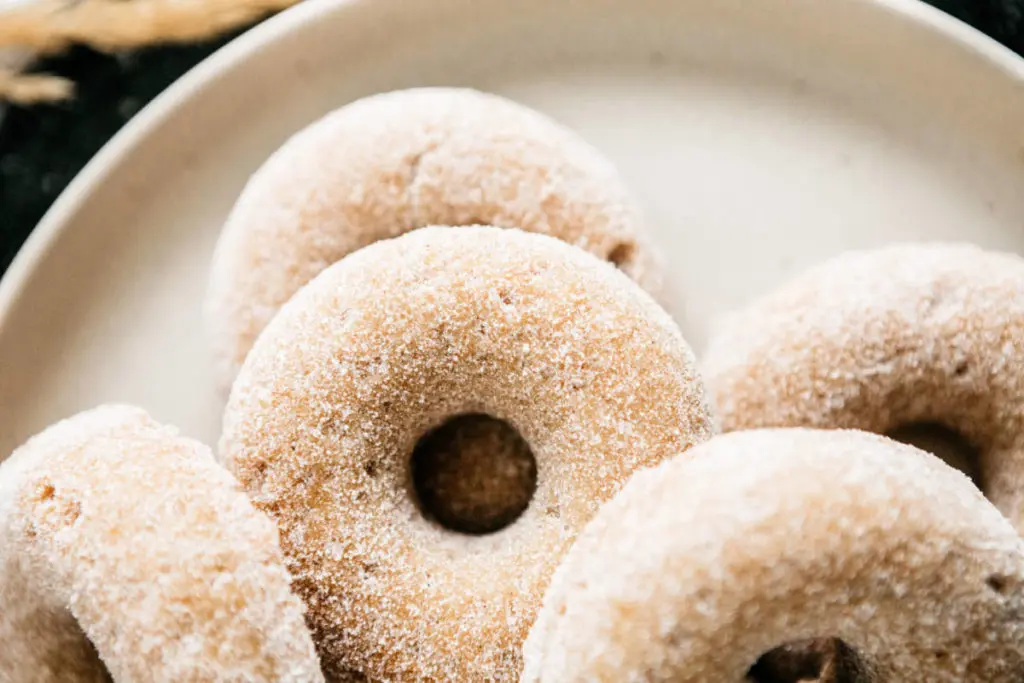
x=764 y=537
x=127 y=550
x=389 y=163
x=398 y=339
x=883 y=340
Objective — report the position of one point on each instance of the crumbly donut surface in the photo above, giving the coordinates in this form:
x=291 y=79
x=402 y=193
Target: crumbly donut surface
x=877 y=340
x=121 y=540
x=389 y=343
x=390 y=163
x=766 y=537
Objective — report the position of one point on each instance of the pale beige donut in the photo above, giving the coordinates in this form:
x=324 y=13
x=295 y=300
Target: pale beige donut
x=764 y=537
x=875 y=340
x=387 y=344
x=390 y=163
x=123 y=544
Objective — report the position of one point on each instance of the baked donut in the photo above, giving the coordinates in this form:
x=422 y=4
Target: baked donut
x=390 y=163
x=123 y=544
x=397 y=339
x=764 y=537
x=879 y=340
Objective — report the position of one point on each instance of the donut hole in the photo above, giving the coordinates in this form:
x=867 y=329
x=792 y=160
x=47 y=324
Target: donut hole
x=948 y=444
x=474 y=474
x=621 y=255
x=817 y=660
x=998 y=584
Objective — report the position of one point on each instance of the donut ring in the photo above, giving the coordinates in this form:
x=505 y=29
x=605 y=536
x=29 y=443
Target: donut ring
x=390 y=163
x=802 y=533
x=877 y=340
x=387 y=344
x=123 y=542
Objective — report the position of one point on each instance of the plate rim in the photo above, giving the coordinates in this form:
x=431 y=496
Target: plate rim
x=58 y=217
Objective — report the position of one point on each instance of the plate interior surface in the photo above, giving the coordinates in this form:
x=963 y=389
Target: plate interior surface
x=760 y=135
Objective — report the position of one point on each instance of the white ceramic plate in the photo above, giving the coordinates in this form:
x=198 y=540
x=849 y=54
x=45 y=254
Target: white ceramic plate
x=762 y=135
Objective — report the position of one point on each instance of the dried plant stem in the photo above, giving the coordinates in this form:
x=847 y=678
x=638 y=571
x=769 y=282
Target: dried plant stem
x=33 y=88
x=46 y=26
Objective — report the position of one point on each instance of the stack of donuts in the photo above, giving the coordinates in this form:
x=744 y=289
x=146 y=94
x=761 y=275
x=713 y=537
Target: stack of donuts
x=463 y=441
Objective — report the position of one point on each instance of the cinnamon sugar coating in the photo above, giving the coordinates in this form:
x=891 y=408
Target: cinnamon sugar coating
x=390 y=163
x=123 y=544
x=389 y=343
x=878 y=340
x=765 y=537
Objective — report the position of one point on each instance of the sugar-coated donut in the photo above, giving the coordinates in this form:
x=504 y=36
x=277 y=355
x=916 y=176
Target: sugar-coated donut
x=123 y=544
x=390 y=163
x=764 y=537
x=396 y=339
x=880 y=339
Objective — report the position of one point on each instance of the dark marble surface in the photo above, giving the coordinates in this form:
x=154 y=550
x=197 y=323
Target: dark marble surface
x=42 y=148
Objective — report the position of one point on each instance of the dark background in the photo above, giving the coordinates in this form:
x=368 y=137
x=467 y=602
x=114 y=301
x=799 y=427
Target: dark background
x=42 y=148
